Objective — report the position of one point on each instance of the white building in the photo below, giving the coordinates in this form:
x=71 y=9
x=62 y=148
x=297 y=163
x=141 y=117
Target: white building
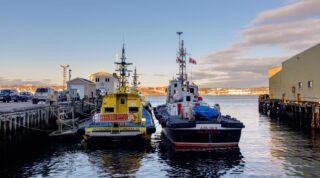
x=105 y=82
x=80 y=87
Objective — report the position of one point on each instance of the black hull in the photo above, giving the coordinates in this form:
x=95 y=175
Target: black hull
x=198 y=139
x=185 y=134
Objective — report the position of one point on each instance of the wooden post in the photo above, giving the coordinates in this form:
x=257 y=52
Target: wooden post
x=73 y=122
x=316 y=111
x=313 y=118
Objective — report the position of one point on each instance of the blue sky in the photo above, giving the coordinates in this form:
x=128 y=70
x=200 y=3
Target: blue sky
x=37 y=36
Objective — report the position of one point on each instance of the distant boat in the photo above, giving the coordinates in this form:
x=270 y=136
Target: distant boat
x=188 y=122
x=124 y=114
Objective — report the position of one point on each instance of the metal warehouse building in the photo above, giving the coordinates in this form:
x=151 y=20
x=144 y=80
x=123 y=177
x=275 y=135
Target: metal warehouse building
x=298 y=79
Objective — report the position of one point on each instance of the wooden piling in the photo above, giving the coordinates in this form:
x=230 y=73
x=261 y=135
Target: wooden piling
x=302 y=114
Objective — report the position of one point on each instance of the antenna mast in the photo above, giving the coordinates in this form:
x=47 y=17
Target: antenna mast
x=135 y=82
x=181 y=59
x=123 y=71
x=64 y=75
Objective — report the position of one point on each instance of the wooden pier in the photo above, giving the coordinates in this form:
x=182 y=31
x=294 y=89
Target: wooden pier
x=20 y=125
x=302 y=114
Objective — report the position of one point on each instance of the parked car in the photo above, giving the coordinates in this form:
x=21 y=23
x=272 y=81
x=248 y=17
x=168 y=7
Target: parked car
x=25 y=96
x=44 y=94
x=9 y=94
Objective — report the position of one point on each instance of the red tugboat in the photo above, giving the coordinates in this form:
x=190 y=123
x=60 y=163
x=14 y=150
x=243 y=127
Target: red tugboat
x=188 y=122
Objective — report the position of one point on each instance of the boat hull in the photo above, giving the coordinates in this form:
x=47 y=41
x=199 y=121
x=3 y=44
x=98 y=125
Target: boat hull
x=117 y=133
x=120 y=131
x=202 y=139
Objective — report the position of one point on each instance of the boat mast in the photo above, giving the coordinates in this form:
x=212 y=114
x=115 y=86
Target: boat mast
x=182 y=60
x=123 y=71
x=135 y=81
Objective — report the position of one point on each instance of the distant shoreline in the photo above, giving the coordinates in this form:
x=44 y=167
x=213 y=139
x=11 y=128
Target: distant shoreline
x=207 y=95
x=161 y=91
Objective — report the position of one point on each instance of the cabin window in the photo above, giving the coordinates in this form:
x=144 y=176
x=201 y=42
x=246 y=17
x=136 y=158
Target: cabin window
x=310 y=84
x=188 y=98
x=108 y=109
x=192 y=90
x=133 y=109
x=122 y=100
x=300 y=85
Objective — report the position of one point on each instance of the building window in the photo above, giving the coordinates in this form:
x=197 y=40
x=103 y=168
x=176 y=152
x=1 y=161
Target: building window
x=293 y=89
x=300 y=85
x=310 y=84
x=97 y=79
x=107 y=79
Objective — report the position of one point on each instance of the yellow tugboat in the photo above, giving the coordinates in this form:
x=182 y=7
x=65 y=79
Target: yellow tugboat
x=124 y=114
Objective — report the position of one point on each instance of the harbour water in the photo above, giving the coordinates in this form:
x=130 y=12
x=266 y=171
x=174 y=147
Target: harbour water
x=267 y=148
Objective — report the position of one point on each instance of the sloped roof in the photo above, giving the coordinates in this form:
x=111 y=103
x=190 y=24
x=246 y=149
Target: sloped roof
x=93 y=77
x=101 y=74
x=82 y=79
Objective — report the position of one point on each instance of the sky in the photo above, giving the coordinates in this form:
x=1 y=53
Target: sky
x=234 y=42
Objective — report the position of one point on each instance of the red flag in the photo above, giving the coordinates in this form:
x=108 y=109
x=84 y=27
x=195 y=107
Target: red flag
x=192 y=61
x=179 y=60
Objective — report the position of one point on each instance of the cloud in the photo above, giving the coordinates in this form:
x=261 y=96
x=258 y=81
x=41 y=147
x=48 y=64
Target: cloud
x=159 y=75
x=296 y=10
x=12 y=82
x=291 y=28
x=296 y=35
x=236 y=72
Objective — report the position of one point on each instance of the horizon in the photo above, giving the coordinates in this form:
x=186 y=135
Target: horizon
x=141 y=86
x=234 y=43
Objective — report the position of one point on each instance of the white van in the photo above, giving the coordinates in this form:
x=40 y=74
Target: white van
x=44 y=94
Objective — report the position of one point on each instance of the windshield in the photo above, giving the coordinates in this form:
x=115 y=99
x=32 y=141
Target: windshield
x=42 y=90
x=4 y=91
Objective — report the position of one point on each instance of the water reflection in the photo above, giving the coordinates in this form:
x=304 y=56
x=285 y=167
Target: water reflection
x=298 y=152
x=267 y=148
x=118 y=159
x=200 y=164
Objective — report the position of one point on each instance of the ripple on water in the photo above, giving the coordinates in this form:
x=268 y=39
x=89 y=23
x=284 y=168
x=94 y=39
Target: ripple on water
x=267 y=148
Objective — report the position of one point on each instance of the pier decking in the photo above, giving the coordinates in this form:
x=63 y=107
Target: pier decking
x=22 y=121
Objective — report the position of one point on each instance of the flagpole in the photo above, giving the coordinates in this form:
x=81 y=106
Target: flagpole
x=191 y=72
